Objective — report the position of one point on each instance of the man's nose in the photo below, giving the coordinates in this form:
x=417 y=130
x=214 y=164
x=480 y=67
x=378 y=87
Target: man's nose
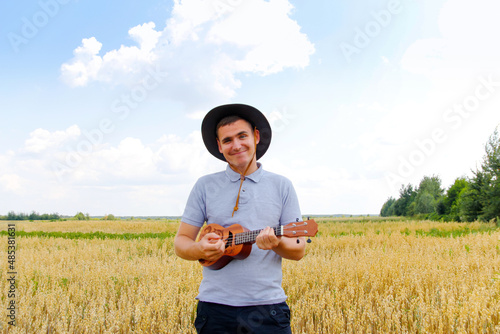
x=236 y=144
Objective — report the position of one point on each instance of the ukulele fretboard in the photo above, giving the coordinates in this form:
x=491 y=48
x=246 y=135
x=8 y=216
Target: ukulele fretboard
x=250 y=236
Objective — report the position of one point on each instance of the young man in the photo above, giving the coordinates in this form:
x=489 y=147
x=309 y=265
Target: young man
x=245 y=296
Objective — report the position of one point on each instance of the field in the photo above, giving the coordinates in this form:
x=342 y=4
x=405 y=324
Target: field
x=358 y=276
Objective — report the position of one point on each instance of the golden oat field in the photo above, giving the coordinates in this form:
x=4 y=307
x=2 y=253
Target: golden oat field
x=358 y=276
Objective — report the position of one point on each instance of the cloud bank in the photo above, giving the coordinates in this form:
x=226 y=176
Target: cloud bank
x=203 y=48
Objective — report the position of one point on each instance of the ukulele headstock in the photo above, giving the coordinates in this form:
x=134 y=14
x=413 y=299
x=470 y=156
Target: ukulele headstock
x=307 y=228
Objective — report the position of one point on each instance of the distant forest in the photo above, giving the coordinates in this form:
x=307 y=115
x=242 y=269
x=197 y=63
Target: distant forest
x=467 y=199
x=32 y=216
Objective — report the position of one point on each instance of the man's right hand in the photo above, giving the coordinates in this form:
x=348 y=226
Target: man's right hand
x=211 y=246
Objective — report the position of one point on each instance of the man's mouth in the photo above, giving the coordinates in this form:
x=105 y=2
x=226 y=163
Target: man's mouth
x=238 y=153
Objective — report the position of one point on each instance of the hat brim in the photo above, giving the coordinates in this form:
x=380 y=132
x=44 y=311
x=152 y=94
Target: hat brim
x=249 y=113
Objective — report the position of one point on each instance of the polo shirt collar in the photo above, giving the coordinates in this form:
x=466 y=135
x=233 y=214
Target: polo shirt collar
x=255 y=176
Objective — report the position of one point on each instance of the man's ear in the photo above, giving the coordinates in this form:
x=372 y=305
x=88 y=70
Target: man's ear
x=256 y=133
x=218 y=145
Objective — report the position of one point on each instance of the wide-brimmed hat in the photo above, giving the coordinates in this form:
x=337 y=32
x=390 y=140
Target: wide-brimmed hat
x=249 y=113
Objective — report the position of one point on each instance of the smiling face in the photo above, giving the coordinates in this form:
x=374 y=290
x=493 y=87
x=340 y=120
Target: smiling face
x=236 y=143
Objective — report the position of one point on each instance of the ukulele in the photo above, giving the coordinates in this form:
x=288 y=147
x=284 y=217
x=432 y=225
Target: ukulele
x=238 y=240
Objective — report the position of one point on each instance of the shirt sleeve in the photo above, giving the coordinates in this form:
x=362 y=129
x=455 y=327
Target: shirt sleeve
x=195 y=212
x=291 y=208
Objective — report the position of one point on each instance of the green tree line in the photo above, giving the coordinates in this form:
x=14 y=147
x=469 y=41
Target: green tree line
x=53 y=216
x=32 y=216
x=81 y=216
x=467 y=199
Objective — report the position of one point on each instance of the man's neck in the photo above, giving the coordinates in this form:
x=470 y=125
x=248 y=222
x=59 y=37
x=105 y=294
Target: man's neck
x=253 y=167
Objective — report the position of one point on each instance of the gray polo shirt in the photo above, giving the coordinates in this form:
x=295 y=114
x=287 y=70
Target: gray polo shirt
x=266 y=199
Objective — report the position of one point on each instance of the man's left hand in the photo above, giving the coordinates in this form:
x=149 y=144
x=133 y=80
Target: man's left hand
x=267 y=239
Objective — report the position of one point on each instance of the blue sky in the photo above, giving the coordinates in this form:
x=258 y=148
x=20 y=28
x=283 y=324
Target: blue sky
x=101 y=103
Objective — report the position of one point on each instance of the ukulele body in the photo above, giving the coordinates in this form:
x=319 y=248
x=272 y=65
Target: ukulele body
x=232 y=250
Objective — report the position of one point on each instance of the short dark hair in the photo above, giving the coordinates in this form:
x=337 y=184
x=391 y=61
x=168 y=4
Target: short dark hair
x=230 y=120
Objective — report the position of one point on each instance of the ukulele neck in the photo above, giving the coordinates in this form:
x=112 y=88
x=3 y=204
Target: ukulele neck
x=250 y=236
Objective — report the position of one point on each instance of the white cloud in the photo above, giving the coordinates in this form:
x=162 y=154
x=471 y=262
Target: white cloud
x=127 y=163
x=12 y=183
x=88 y=66
x=272 y=44
x=152 y=178
x=68 y=157
x=424 y=56
x=41 y=140
x=146 y=37
x=203 y=47
x=85 y=65
x=187 y=19
x=466 y=45
x=130 y=162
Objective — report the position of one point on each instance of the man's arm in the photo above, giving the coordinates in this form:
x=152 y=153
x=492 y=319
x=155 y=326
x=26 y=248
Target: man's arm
x=285 y=247
x=210 y=247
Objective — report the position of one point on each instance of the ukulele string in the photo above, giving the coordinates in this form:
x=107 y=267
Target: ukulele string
x=249 y=235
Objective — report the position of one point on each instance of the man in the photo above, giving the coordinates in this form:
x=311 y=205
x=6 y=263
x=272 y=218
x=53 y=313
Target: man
x=245 y=296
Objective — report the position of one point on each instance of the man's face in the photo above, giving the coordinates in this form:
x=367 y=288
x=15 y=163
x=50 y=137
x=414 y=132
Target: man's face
x=236 y=143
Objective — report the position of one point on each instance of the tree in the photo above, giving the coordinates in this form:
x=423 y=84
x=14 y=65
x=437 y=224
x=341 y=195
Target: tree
x=406 y=197
x=428 y=194
x=440 y=207
x=34 y=215
x=425 y=203
x=80 y=216
x=431 y=185
x=491 y=187
x=453 y=193
x=388 y=207
x=470 y=200
x=480 y=200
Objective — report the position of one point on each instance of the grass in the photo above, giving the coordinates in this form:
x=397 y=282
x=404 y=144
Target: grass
x=93 y=235
x=370 y=276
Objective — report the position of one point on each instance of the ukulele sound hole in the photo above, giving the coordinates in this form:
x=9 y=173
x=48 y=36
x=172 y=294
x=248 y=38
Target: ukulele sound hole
x=229 y=240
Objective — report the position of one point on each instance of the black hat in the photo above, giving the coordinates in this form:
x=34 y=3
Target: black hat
x=249 y=113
